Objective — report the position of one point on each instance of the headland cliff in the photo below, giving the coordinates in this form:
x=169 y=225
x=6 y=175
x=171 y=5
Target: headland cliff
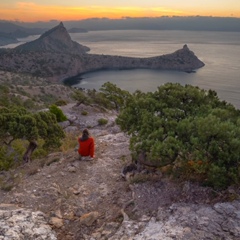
x=56 y=57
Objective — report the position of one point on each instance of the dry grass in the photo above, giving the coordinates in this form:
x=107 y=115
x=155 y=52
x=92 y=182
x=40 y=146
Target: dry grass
x=7 y=187
x=69 y=142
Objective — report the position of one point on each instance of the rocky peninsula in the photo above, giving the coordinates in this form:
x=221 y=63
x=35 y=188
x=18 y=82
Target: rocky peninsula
x=56 y=57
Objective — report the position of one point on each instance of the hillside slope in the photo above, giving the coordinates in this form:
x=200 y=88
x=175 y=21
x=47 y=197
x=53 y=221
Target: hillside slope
x=56 y=40
x=91 y=200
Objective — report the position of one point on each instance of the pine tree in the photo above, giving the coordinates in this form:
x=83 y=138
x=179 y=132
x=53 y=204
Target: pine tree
x=18 y=123
x=185 y=126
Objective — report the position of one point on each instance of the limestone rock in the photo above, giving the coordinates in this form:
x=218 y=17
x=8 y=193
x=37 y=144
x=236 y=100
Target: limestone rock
x=186 y=221
x=55 y=40
x=18 y=223
x=71 y=169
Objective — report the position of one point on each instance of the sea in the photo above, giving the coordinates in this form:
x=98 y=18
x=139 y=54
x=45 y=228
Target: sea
x=220 y=51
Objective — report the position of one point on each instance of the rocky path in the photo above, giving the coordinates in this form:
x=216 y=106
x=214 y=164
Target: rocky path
x=78 y=197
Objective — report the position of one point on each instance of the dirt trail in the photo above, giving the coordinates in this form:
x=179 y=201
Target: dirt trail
x=67 y=189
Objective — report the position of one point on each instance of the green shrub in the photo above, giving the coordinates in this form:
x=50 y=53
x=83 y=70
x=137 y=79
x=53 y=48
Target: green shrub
x=84 y=113
x=139 y=178
x=60 y=103
x=113 y=96
x=188 y=128
x=12 y=156
x=218 y=177
x=6 y=159
x=29 y=104
x=4 y=89
x=47 y=98
x=58 y=113
x=7 y=187
x=17 y=123
x=80 y=97
x=102 y=121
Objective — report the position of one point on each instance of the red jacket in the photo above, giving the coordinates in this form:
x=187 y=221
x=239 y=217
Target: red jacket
x=86 y=148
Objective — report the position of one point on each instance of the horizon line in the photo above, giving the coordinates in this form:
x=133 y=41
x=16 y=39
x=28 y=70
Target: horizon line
x=122 y=18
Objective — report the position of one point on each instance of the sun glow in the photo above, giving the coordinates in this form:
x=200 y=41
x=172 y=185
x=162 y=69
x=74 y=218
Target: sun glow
x=30 y=12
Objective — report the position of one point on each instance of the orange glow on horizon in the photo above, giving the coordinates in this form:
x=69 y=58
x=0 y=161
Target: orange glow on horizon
x=30 y=12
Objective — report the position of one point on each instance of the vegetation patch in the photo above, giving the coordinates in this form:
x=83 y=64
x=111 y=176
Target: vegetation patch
x=58 y=113
x=61 y=102
x=84 y=113
x=7 y=187
x=102 y=121
x=186 y=127
x=69 y=142
x=18 y=123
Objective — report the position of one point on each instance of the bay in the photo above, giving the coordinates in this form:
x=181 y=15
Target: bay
x=220 y=51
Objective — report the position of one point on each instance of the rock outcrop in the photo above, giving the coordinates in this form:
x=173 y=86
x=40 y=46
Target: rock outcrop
x=55 y=56
x=180 y=60
x=185 y=221
x=56 y=40
x=19 y=223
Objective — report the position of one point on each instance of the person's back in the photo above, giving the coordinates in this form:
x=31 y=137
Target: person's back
x=86 y=145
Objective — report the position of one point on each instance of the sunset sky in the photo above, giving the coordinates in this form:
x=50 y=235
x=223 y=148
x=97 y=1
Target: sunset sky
x=63 y=10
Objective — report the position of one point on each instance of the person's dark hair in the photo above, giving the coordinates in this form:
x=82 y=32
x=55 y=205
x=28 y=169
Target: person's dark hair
x=85 y=135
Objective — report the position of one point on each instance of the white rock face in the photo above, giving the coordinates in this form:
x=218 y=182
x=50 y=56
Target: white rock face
x=186 y=222
x=22 y=224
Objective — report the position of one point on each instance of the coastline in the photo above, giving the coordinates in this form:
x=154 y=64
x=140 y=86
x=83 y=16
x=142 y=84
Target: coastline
x=56 y=57
x=74 y=80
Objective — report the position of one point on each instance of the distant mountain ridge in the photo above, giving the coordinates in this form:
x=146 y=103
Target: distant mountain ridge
x=190 y=23
x=7 y=38
x=55 y=40
x=18 y=31
x=10 y=32
x=77 y=30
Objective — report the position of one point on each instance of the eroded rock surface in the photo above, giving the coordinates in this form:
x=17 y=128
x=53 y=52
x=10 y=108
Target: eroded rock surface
x=186 y=221
x=21 y=224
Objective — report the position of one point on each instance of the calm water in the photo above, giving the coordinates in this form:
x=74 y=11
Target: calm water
x=220 y=51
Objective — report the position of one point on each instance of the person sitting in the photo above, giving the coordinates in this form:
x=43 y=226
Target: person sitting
x=86 y=146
